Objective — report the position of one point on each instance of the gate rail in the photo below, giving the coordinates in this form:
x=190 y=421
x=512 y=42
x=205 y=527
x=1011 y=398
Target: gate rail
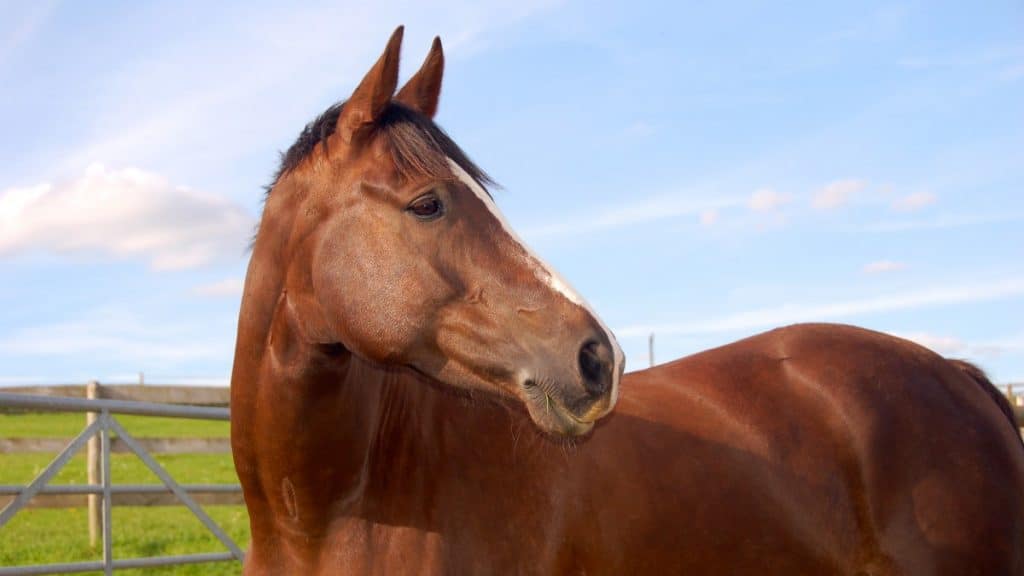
x=104 y=424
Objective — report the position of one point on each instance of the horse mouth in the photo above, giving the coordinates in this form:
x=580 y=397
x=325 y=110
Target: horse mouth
x=551 y=416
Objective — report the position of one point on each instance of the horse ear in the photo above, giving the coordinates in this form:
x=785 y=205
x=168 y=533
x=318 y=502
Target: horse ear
x=423 y=90
x=373 y=94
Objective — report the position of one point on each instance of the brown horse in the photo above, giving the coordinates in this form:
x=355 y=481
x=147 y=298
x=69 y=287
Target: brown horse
x=415 y=392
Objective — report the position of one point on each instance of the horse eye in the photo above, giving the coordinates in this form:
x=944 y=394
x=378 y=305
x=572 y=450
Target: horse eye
x=427 y=207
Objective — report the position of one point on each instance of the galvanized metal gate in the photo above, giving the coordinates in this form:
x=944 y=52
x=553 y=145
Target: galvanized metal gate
x=104 y=424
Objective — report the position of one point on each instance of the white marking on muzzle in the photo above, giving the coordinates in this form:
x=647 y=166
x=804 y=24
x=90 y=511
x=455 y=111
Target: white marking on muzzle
x=545 y=273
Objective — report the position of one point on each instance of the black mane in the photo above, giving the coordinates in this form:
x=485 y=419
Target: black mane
x=418 y=146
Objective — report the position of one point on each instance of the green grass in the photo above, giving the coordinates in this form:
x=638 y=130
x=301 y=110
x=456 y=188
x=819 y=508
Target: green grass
x=41 y=536
x=124 y=469
x=68 y=425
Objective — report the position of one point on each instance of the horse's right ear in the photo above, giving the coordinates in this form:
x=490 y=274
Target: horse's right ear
x=373 y=94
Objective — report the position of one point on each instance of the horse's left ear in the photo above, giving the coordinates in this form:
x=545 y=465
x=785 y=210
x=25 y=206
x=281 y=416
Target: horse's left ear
x=423 y=90
x=373 y=94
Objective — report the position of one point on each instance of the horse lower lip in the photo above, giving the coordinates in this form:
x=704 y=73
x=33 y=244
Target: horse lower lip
x=562 y=413
x=549 y=413
x=569 y=415
x=578 y=427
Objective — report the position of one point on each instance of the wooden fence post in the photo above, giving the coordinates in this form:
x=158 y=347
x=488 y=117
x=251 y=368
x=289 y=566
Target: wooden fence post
x=92 y=467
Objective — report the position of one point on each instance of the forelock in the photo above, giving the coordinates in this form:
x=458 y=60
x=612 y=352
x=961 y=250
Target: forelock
x=418 y=146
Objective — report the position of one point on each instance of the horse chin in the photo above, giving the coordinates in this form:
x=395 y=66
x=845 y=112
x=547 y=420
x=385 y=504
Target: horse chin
x=552 y=417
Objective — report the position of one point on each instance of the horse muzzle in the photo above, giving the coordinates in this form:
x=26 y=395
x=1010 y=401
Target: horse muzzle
x=568 y=401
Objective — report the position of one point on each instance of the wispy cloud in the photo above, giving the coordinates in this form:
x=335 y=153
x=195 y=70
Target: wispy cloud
x=708 y=217
x=984 y=57
x=942 y=344
x=767 y=199
x=944 y=221
x=792 y=313
x=639 y=129
x=22 y=380
x=225 y=287
x=915 y=63
x=228 y=95
x=1012 y=72
x=953 y=346
x=881 y=266
x=643 y=211
x=124 y=213
x=118 y=335
x=705 y=203
x=913 y=201
x=16 y=29
x=836 y=194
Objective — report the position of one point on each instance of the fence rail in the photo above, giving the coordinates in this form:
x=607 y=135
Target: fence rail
x=164 y=394
x=102 y=423
x=161 y=445
x=158 y=393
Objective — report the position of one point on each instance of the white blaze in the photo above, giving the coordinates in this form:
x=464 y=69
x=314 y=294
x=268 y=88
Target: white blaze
x=545 y=273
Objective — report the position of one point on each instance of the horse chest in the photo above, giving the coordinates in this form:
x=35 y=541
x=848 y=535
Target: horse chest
x=358 y=546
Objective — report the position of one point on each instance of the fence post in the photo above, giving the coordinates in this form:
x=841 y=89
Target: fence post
x=92 y=466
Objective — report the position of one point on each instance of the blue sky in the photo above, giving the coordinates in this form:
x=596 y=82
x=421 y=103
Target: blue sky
x=700 y=172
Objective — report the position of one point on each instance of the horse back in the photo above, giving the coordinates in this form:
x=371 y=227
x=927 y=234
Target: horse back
x=874 y=452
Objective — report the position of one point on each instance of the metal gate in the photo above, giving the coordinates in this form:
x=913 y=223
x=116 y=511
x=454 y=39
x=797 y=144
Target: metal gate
x=104 y=424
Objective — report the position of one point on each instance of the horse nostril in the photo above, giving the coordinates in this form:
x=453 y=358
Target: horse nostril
x=595 y=370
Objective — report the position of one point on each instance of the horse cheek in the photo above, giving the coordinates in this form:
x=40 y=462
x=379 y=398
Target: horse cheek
x=366 y=291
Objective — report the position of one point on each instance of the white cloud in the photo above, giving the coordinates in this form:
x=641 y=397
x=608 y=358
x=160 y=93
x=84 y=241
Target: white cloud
x=792 y=313
x=639 y=129
x=944 y=345
x=946 y=221
x=225 y=287
x=1012 y=72
x=114 y=342
x=114 y=333
x=20 y=24
x=913 y=201
x=123 y=213
x=953 y=346
x=915 y=63
x=709 y=217
x=880 y=266
x=22 y=380
x=766 y=199
x=642 y=211
x=705 y=201
x=837 y=193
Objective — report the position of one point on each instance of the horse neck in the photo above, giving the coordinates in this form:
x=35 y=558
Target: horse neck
x=347 y=438
x=304 y=426
x=318 y=437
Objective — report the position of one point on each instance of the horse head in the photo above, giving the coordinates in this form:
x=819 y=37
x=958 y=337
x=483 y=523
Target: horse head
x=394 y=251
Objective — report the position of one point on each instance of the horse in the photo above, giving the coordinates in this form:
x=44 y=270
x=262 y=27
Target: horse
x=415 y=392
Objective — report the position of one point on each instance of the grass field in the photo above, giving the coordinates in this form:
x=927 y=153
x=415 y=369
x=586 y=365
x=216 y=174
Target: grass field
x=36 y=536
